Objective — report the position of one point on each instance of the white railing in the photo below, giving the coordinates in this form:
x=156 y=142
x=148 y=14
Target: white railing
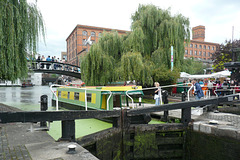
x=85 y=90
x=160 y=91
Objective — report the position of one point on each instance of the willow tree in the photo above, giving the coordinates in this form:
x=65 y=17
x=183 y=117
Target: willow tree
x=101 y=64
x=156 y=31
x=21 y=24
x=141 y=54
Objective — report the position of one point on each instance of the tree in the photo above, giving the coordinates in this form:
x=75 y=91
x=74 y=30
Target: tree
x=156 y=31
x=141 y=54
x=101 y=64
x=193 y=67
x=20 y=27
x=224 y=54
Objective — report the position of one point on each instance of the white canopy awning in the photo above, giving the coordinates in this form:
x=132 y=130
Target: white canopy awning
x=224 y=73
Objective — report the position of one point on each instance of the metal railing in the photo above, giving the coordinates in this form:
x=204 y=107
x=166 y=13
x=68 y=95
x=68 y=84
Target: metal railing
x=85 y=91
x=48 y=65
x=160 y=91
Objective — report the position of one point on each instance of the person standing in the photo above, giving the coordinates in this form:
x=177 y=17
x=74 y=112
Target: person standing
x=197 y=90
x=49 y=60
x=157 y=94
x=210 y=87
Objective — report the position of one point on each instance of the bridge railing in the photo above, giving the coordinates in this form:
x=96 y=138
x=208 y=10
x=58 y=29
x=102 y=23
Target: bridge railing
x=48 y=65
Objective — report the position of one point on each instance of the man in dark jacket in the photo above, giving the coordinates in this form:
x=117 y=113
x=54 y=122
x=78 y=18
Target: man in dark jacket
x=197 y=90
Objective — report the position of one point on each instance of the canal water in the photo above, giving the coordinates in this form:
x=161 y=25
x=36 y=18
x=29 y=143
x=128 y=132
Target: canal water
x=28 y=99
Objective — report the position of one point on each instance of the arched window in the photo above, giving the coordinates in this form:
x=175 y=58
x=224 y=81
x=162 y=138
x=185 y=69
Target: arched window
x=99 y=34
x=84 y=33
x=93 y=34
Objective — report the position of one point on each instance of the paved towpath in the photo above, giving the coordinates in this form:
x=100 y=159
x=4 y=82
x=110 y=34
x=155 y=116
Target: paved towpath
x=17 y=142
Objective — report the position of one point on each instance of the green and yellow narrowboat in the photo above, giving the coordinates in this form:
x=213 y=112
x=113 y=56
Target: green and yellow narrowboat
x=97 y=98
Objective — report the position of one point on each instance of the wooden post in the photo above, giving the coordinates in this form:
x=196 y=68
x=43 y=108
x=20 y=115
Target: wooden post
x=165 y=116
x=186 y=116
x=68 y=130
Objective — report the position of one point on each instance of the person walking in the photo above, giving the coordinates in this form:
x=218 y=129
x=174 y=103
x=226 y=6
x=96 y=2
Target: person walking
x=197 y=90
x=157 y=94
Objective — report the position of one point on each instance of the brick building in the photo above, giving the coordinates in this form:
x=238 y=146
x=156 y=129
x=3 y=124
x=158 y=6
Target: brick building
x=80 y=34
x=198 y=48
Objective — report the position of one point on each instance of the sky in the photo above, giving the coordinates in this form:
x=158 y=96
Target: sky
x=62 y=16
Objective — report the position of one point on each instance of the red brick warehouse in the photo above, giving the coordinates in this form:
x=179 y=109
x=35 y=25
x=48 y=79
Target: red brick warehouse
x=197 y=47
x=76 y=40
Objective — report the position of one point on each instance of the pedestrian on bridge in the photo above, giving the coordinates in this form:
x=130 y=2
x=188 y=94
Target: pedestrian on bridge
x=49 y=60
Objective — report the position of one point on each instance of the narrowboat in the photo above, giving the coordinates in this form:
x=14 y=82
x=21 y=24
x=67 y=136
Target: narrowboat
x=100 y=98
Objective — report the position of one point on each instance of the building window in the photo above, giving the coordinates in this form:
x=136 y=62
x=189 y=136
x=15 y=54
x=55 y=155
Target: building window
x=84 y=33
x=195 y=52
x=99 y=34
x=204 y=54
x=208 y=54
x=186 y=51
x=195 y=45
x=190 y=52
x=200 y=46
x=93 y=34
x=213 y=48
x=89 y=97
x=204 y=47
x=191 y=45
x=209 y=47
x=76 y=96
x=200 y=53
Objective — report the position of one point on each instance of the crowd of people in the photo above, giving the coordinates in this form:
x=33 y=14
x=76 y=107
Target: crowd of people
x=220 y=87
x=202 y=87
x=49 y=59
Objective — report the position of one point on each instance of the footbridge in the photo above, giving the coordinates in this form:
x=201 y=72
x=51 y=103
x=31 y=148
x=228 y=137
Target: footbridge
x=55 y=68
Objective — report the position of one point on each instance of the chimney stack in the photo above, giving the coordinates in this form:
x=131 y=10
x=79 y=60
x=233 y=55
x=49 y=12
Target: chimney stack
x=198 y=33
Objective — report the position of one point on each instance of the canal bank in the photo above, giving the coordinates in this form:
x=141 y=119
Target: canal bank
x=18 y=142
x=136 y=141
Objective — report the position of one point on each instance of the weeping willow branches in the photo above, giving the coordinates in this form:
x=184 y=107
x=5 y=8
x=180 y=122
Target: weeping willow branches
x=20 y=27
x=142 y=54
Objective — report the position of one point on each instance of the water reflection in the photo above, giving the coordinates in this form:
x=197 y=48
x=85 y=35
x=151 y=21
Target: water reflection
x=25 y=98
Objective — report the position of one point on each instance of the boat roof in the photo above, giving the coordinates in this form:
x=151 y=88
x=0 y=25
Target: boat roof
x=130 y=89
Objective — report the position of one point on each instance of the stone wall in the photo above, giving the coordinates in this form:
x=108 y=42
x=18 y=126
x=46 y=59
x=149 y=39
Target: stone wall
x=158 y=141
x=201 y=146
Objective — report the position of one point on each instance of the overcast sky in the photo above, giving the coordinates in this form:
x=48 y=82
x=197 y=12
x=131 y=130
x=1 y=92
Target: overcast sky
x=62 y=16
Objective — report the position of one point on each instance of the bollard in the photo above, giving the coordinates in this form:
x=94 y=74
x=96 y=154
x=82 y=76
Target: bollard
x=44 y=107
x=183 y=96
x=140 y=101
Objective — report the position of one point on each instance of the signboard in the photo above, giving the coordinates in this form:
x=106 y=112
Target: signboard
x=171 y=58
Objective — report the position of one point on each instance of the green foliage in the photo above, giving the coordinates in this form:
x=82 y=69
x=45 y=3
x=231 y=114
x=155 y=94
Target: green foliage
x=193 y=67
x=20 y=26
x=223 y=54
x=101 y=64
x=163 y=75
x=143 y=54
